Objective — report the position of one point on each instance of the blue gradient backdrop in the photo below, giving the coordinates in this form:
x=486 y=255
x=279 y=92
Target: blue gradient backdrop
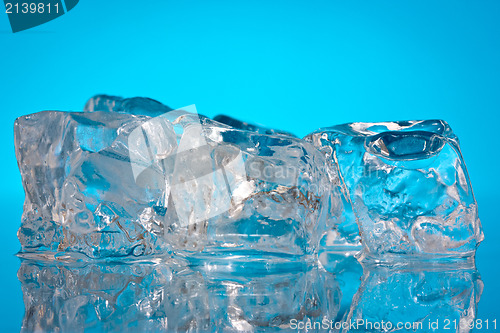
x=296 y=65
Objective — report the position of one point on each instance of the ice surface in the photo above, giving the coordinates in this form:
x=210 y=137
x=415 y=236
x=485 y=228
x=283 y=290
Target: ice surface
x=406 y=185
x=115 y=181
x=68 y=297
x=419 y=299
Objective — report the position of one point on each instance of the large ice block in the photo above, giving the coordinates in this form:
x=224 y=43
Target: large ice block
x=123 y=183
x=406 y=185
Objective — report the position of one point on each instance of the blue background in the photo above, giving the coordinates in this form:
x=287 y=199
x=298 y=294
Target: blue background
x=294 y=65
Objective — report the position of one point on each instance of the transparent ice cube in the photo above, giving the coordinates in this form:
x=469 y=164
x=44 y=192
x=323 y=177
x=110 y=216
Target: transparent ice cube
x=406 y=185
x=114 y=182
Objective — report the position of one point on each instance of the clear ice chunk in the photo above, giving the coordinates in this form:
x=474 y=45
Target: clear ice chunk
x=79 y=191
x=132 y=177
x=126 y=178
x=406 y=185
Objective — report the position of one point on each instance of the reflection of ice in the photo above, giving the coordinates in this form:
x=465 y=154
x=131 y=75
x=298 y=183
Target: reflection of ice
x=244 y=296
x=117 y=297
x=263 y=301
x=424 y=299
x=348 y=272
x=174 y=297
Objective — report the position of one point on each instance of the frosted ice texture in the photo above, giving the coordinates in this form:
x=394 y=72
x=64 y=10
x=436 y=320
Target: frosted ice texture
x=128 y=177
x=406 y=185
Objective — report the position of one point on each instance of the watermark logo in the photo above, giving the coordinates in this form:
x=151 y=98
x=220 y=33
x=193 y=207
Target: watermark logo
x=199 y=172
x=26 y=14
x=170 y=152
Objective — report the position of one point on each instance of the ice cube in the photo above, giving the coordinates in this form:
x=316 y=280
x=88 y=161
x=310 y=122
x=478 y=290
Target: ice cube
x=406 y=185
x=122 y=183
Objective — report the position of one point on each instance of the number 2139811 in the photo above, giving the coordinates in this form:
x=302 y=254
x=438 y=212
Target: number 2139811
x=31 y=8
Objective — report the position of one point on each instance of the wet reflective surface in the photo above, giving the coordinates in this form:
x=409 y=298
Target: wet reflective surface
x=175 y=296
